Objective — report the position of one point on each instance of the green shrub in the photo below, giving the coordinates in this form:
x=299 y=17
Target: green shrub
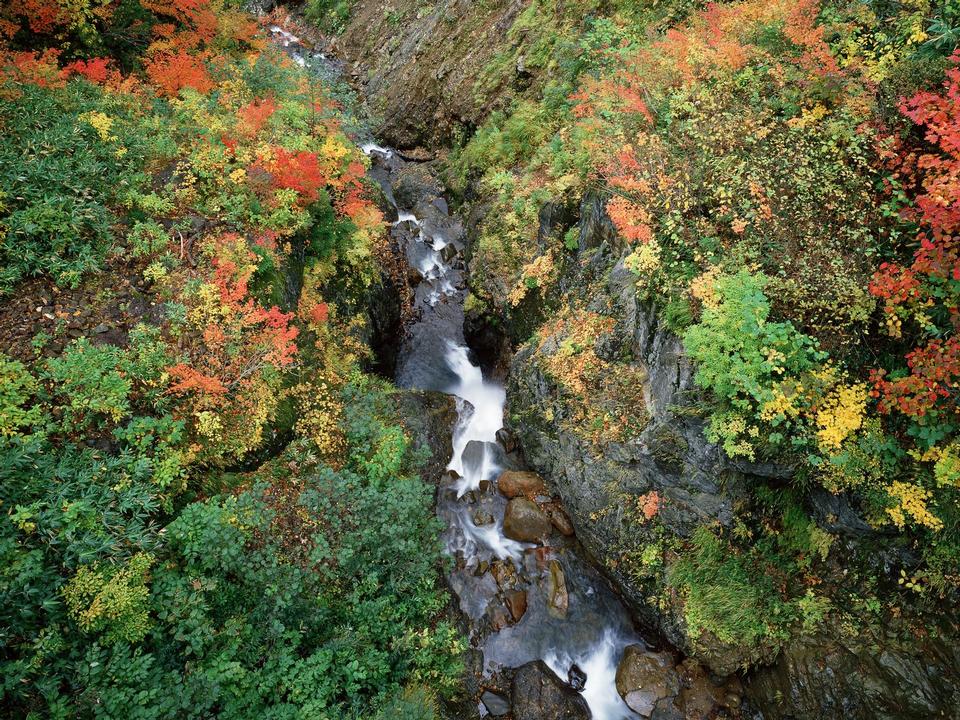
x=314 y=595
x=112 y=599
x=727 y=595
x=330 y=15
x=18 y=416
x=147 y=238
x=741 y=355
x=89 y=384
x=58 y=179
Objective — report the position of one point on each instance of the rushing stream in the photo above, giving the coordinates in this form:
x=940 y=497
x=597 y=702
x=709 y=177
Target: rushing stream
x=593 y=627
x=584 y=632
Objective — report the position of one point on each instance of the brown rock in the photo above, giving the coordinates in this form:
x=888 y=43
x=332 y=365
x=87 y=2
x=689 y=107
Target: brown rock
x=700 y=695
x=502 y=572
x=525 y=521
x=561 y=521
x=499 y=618
x=558 y=599
x=645 y=678
x=514 y=483
x=517 y=603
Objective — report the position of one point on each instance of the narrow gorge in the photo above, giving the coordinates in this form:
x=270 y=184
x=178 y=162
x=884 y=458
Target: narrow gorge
x=466 y=359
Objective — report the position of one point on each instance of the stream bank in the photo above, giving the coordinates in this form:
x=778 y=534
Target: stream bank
x=548 y=636
x=876 y=672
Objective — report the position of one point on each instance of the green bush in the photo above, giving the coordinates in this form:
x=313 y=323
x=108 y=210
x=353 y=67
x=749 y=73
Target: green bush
x=727 y=595
x=58 y=181
x=90 y=383
x=18 y=414
x=330 y=15
x=741 y=355
x=147 y=238
x=310 y=596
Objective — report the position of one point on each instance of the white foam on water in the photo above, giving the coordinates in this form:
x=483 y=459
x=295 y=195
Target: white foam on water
x=368 y=148
x=600 y=665
x=403 y=217
x=490 y=538
x=429 y=262
x=486 y=400
x=288 y=38
x=480 y=406
x=446 y=287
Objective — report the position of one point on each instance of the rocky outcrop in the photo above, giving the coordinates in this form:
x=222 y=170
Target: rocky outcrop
x=831 y=675
x=599 y=484
x=429 y=418
x=421 y=65
x=873 y=675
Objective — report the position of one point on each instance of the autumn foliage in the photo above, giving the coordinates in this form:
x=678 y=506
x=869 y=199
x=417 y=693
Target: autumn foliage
x=174 y=72
x=228 y=386
x=925 y=294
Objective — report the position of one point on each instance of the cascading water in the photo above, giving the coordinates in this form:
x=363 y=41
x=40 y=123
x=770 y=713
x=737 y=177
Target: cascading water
x=594 y=627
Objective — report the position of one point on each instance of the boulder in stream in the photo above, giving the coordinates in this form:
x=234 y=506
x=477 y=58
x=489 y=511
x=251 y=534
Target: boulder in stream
x=538 y=694
x=576 y=678
x=516 y=603
x=558 y=599
x=514 y=483
x=525 y=521
x=645 y=678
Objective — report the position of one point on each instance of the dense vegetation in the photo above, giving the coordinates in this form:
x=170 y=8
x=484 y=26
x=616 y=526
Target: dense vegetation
x=157 y=557
x=782 y=178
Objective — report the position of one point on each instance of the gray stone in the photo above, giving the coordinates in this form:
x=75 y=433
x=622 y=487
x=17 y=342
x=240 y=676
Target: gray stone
x=496 y=704
x=880 y=674
x=645 y=678
x=576 y=678
x=538 y=694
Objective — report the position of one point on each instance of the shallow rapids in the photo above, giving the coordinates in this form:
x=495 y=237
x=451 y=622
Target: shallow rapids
x=594 y=627
x=589 y=636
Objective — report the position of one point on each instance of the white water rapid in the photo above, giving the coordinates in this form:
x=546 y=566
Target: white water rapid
x=595 y=627
x=591 y=632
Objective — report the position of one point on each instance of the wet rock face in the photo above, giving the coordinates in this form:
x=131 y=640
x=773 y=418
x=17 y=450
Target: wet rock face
x=645 y=679
x=670 y=457
x=873 y=676
x=840 y=677
x=429 y=418
x=538 y=694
